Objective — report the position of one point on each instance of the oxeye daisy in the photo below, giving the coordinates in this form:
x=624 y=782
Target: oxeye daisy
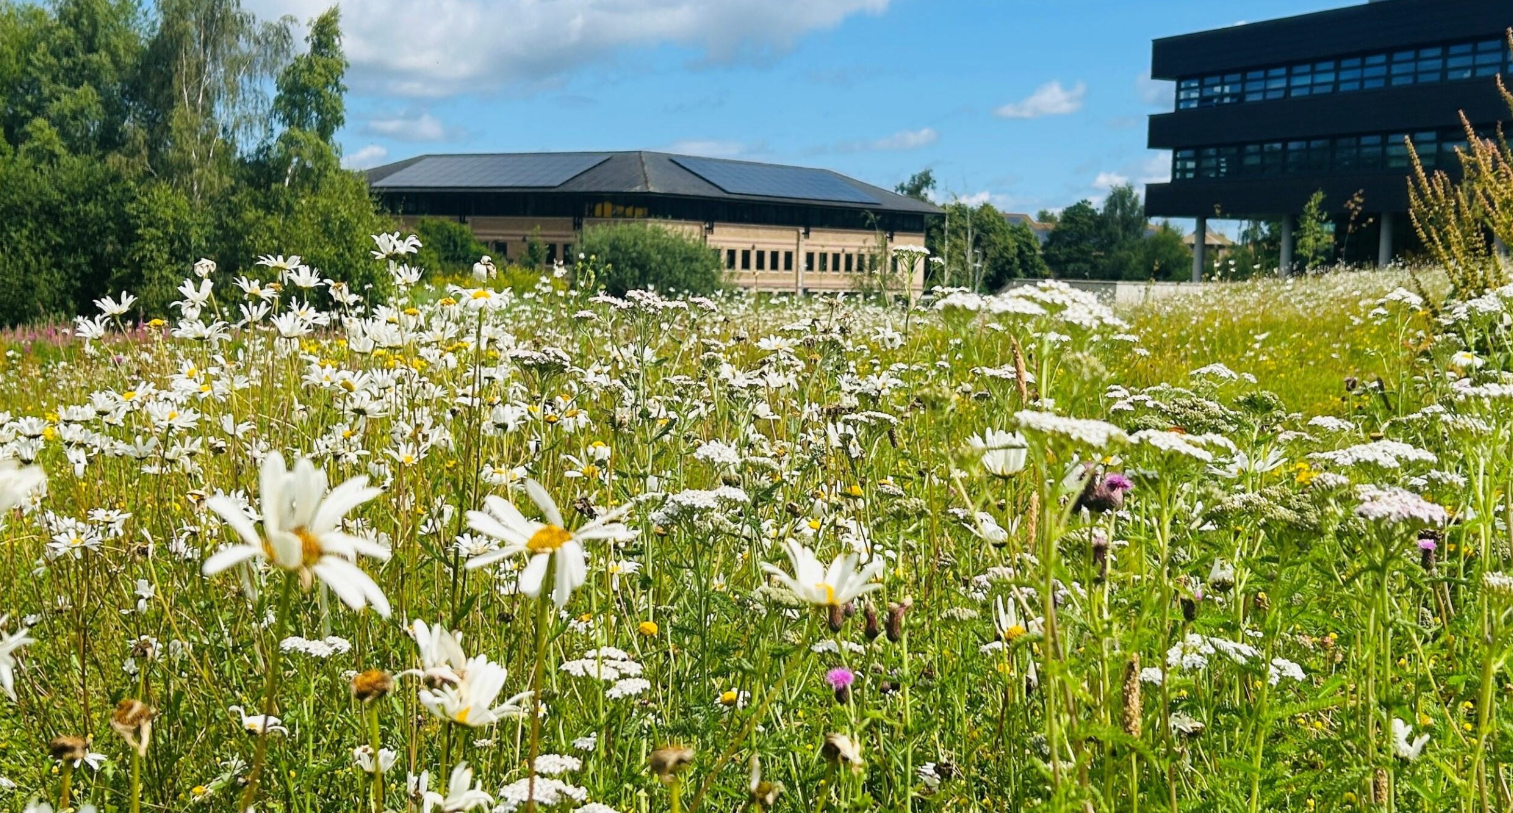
x=302 y=532
x=832 y=587
x=542 y=541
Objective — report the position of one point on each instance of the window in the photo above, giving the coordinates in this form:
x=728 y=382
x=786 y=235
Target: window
x=824 y=261
x=772 y=261
x=730 y=258
x=1345 y=154
x=808 y=261
x=551 y=253
x=567 y=252
x=849 y=260
x=835 y=262
x=1370 y=152
x=745 y=259
x=761 y=257
x=1417 y=66
x=1184 y=164
x=787 y=261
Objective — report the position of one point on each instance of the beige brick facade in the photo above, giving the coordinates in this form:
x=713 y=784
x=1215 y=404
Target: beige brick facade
x=758 y=257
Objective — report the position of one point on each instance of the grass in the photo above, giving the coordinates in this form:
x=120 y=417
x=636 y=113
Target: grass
x=1189 y=608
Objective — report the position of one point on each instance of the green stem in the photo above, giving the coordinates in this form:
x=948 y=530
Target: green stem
x=378 y=771
x=543 y=610
x=270 y=690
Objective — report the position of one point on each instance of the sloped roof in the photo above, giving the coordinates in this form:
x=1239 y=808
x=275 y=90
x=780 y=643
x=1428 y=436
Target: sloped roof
x=637 y=172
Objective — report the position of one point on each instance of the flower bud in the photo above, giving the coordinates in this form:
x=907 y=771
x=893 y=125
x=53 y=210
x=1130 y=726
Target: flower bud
x=372 y=684
x=667 y=762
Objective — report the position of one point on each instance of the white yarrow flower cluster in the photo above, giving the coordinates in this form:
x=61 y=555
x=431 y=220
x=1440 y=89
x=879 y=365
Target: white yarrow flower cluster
x=1386 y=454
x=1398 y=506
x=1093 y=433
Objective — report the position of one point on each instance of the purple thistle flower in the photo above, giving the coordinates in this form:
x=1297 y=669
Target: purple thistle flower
x=840 y=679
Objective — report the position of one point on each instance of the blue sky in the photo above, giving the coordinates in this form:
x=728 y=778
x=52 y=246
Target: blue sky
x=1028 y=104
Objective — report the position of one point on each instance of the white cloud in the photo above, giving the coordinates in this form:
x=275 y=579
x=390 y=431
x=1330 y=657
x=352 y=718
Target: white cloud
x=422 y=127
x=1157 y=168
x=369 y=156
x=1108 y=180
x=1156 y=93
x=901 y=140
x=907 y=140
x=1050 y=99
x=709 y=148
x=445 y=47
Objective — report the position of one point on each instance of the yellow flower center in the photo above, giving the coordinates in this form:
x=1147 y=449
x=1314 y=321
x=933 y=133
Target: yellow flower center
x=548 y=539
x=1013 y=633
x=462 y=716
x=309 y=547
x=480 y=294
x=728 y=698
x=829 y=592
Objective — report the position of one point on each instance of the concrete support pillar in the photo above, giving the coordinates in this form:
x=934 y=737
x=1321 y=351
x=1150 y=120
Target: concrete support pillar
x=1287 y=245
x=798 y=262
x=1200 y=249
x=1384 y=242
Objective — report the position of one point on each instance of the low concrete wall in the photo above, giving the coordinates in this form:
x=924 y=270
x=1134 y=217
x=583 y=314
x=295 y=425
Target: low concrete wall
x=1125 y=294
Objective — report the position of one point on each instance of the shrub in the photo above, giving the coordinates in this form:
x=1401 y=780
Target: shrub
x=643 y=255
x=448 y=248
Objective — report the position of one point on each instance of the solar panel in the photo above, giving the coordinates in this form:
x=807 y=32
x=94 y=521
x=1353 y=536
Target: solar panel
x=539 y=171
x=766 y=180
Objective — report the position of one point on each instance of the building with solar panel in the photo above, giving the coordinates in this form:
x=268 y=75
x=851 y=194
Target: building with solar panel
x=776 y=228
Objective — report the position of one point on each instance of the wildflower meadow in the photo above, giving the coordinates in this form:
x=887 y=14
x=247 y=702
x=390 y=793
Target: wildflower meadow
x=541 y=548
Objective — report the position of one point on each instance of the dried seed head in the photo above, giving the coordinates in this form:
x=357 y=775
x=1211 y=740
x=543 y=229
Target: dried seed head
x=895 y=625
x=840 y=749
x=873 y=628
x=1100 y=557
x=67 y=748
x=1189 y=609
x=669 y=761
x=1133 y=706
x=372 y=684
x=836 y=617
x=132 y=719
x=1380 y=787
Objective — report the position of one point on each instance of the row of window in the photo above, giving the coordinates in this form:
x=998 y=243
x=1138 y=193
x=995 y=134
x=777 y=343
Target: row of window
x=1414 y=66
x=505 y=250
x=1367 y=153
x=648 y=206
x=823 y=261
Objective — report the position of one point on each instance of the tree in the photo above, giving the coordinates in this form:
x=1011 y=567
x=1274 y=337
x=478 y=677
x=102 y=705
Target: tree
x=1073 y=250
x=310 y=87
x=644 y=255
x=1163 y=255
x=201 y=85
x=1315 y=237
x=919 y=186
x=982 y=250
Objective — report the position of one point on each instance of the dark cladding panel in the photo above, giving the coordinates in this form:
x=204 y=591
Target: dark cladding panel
x=1355 y=29
x=538 y=171
x=768 y=181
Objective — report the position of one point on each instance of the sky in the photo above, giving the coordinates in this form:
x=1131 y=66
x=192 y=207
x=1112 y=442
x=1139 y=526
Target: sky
x=1028 y=104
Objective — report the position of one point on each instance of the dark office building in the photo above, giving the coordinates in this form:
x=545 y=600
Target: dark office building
x=1267 y=114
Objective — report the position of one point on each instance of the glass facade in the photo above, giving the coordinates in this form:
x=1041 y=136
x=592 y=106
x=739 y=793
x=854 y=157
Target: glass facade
x=1353 y=154
x=1413 y=66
